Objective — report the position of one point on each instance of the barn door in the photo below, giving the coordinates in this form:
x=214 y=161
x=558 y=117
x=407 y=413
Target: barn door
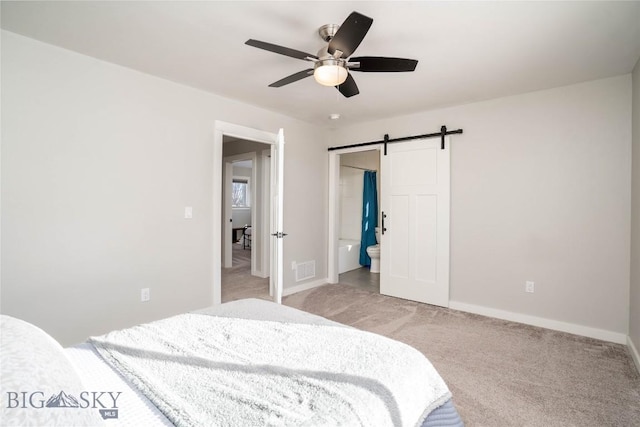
x=415 y=195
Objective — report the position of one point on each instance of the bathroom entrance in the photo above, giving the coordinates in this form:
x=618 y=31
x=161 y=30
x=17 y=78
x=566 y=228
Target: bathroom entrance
x=358 y=219
x=413 y=216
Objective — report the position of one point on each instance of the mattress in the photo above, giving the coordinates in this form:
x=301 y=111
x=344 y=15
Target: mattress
x=134 y=409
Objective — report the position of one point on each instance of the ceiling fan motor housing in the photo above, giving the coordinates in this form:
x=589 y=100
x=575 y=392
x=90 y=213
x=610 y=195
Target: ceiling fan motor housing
x=328 y=31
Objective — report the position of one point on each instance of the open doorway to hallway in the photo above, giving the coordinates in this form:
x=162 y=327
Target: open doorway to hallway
x=246 y=186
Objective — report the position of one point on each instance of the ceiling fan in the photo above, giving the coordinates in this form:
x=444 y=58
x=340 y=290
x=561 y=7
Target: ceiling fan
x=333 y=62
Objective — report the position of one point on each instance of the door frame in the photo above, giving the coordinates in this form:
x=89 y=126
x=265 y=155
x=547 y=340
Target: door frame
x=265 y=216
x=334 y=207
x=221 y=129
x=257 y=229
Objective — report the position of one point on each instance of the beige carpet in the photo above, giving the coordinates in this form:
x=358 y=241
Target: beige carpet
x=500 y=373
x=237 y=281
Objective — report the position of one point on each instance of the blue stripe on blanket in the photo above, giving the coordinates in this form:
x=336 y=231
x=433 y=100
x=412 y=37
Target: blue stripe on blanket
x=444 y=416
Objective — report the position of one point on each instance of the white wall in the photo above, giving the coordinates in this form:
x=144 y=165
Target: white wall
x=362 y=159
x=241 y=217
x=98 y=163
x=351 y=190
x=540 y=187
x=634 y=306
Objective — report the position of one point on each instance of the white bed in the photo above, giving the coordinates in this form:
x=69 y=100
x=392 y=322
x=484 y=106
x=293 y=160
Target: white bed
x=135 y=409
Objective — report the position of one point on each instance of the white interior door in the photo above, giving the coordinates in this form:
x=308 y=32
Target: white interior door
x=277 y=204
x=415 y=193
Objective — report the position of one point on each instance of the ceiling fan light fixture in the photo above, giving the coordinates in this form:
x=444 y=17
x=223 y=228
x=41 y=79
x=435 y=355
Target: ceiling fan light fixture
x=330 y=72
x=333 y=64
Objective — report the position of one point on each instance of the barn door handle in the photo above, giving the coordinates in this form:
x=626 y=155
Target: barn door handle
x=384 y=215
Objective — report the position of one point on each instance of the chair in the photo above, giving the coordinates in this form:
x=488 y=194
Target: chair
x=246 y=237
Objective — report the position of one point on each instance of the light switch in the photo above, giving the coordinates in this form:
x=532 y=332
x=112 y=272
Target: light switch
x=188 y=212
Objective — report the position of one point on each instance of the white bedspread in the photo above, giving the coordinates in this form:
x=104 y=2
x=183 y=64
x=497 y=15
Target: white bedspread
x=207 y=370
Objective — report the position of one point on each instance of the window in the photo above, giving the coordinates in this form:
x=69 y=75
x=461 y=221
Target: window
x=240 y=193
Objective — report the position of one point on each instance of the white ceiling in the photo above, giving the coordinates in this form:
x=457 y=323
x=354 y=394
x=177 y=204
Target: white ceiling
x=247 y=164
x=467 y=51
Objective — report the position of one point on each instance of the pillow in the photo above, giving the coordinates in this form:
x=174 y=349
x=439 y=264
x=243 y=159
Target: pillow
x=39 y=384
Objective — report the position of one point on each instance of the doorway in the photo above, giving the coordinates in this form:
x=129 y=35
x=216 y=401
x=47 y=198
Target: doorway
x=270 y=233
x=414 y=219
x=246 y=187
x=352 y=165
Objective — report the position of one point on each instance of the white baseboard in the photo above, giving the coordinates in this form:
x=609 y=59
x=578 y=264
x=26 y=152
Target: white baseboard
x=304 y=287
x=634 y=353
x=556 y=325
x=259 y=273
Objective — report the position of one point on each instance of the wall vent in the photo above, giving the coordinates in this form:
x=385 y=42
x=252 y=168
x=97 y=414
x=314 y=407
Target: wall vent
x=305 y=270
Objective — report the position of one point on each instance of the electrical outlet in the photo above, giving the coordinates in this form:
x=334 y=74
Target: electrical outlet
x=529 y=287
x=145 y=294
x=293 y=265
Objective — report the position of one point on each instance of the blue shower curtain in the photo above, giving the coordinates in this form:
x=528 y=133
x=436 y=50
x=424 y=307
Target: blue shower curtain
x=369 y=216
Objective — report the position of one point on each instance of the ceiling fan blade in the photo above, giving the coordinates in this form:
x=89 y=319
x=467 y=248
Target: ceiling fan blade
x=298 y=54
x=293 y=78
x=349 y=88
x=382 y=64
x=350 y=34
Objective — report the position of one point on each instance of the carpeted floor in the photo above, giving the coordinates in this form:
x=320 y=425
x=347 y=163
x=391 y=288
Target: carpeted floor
x=237 y=281
x=500 y=373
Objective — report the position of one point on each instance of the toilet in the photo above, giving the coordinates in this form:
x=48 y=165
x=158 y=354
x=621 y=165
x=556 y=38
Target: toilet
x=374 y=254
